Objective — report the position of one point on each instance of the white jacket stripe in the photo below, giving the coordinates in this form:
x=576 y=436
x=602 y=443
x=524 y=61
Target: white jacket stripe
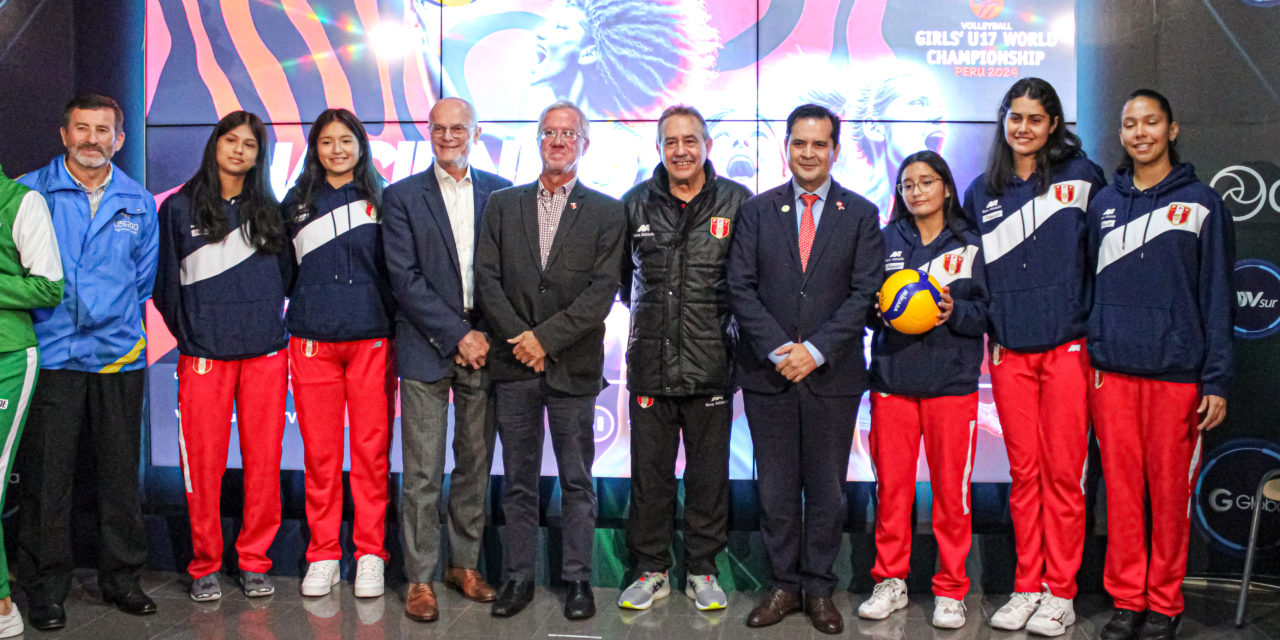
x=1122 y=241
x=1015 y=228
x=329 y=226
x=938 y=266
x=215 y=258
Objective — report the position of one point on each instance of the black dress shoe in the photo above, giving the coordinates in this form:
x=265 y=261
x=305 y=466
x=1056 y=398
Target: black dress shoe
x=579 y=602
x=823 y=614
x=1160 y=627
x=514 y=597
x=133 y=602
x=1124 y=625
x=47 y=616
x=774 y=608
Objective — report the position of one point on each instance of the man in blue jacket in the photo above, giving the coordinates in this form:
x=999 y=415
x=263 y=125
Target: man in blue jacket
x=431 y=222
x=806 y=259
x=92 y=349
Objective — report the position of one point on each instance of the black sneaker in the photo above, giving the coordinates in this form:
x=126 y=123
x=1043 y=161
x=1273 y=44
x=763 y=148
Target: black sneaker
x=1124 y=624
x=1160 y=627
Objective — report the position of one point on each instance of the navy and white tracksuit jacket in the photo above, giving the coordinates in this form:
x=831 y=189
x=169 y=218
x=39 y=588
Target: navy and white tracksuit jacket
x=341 y=291
x=222 y=300
x=1034 y=252
x=1163 y=303
x=947 y=360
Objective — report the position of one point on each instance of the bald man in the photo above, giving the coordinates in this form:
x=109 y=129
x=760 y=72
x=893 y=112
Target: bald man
x=429 y=232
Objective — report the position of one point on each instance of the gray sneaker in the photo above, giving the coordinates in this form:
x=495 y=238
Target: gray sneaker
x=650 y=586
x=206 y=589
x=256 y=585
x=705 y=592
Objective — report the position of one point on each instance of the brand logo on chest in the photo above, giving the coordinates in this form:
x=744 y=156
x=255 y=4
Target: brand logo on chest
x=126 y=225
x=720 y=227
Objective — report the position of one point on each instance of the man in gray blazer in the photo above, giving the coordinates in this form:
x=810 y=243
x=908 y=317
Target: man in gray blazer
x=547 y=271
x=430 y=224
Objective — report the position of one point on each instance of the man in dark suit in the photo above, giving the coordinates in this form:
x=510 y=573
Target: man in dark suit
x=431 y=221
x=547 y=271
x=805 y=262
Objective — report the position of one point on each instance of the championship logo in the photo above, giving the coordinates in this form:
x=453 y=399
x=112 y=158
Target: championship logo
x=202 y=366
x=644 y=401
x=986 y=9
x=951 y=263
x=1179 y=213
x=720 y=227
x=1064 y=193
x=310 y=348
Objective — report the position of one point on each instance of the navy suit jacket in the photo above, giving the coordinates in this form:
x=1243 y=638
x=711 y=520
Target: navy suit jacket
x=775 y=302
x=422 y=259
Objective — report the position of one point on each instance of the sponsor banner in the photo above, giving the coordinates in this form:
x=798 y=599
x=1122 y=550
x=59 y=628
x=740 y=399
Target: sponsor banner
x=1257 y=285
x=1226 y=497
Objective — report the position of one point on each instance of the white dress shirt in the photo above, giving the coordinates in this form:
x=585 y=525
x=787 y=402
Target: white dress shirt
x=460 y=204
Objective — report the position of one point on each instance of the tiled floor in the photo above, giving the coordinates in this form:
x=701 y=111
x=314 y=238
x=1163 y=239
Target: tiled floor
x=287 y=615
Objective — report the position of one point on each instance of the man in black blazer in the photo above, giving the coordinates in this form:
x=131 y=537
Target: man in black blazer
x=547 y=271
x=430 y=224
x=805 y=262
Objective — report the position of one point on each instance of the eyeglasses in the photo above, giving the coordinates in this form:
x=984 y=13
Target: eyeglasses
x=564 y=134
x=926 y=185
x=458 y=130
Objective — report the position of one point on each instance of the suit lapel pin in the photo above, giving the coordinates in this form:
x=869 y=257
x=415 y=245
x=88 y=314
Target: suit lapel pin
x=786 y=208
x=839 y=205
x=573 y=205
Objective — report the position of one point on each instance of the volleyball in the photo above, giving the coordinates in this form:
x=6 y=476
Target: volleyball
x=909 y=301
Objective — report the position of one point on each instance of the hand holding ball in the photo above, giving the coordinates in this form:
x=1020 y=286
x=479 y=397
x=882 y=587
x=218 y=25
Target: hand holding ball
x=909 y=301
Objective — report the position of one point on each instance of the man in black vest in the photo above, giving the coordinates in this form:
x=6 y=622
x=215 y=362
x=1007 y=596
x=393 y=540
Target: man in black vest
x=679 y=369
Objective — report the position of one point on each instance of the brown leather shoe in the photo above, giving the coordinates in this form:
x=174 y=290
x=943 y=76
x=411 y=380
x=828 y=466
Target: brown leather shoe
x=774 y=608
x=420 y=602
x=823 y=614
x=470 y=583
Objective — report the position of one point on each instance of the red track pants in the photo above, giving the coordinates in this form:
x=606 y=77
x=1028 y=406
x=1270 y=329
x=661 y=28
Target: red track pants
x=948 y=425
x=1042 y=400
x=333 y=380
x=206 y=391
x=1150 y=452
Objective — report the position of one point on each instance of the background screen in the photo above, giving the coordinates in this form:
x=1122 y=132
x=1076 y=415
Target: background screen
x=903 y=75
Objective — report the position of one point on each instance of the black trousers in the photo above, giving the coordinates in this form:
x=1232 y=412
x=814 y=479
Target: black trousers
x=109 y=405
x=656 y=431
x=519 y=407
x=802 y=443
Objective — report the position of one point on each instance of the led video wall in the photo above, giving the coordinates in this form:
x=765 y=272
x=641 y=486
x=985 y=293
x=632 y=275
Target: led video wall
x=902 y=74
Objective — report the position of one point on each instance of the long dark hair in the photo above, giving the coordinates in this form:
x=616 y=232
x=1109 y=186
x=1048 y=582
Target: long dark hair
x=259 y=210
x=367 y=182
x=952 y=214
x=1062 y=143
x=1168 y=114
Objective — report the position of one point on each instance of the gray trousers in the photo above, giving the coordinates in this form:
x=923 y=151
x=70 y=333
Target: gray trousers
x=519 y=406
x=424 y=425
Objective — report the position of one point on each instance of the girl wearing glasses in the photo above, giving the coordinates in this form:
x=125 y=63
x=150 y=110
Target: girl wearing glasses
x=341 y=354
x=926 y=385
x=1160 y=335
x=1029 y=209
x=220 y=285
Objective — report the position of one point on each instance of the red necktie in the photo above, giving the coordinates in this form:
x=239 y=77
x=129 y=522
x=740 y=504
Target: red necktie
x=807 y=229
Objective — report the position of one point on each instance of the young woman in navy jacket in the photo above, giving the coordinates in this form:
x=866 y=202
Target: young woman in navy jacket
x=927 y=385
x=1160 y=340
x=1029 y=208
x=220 y=287
x=341 y=354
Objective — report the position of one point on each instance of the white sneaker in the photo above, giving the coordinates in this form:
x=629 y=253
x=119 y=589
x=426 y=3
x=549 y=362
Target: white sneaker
x=948 y=613
x=320 y=578
x=887 y=597
x=369 y=582
x=1015 y=613
x=1053 y=617
x=11 y=623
